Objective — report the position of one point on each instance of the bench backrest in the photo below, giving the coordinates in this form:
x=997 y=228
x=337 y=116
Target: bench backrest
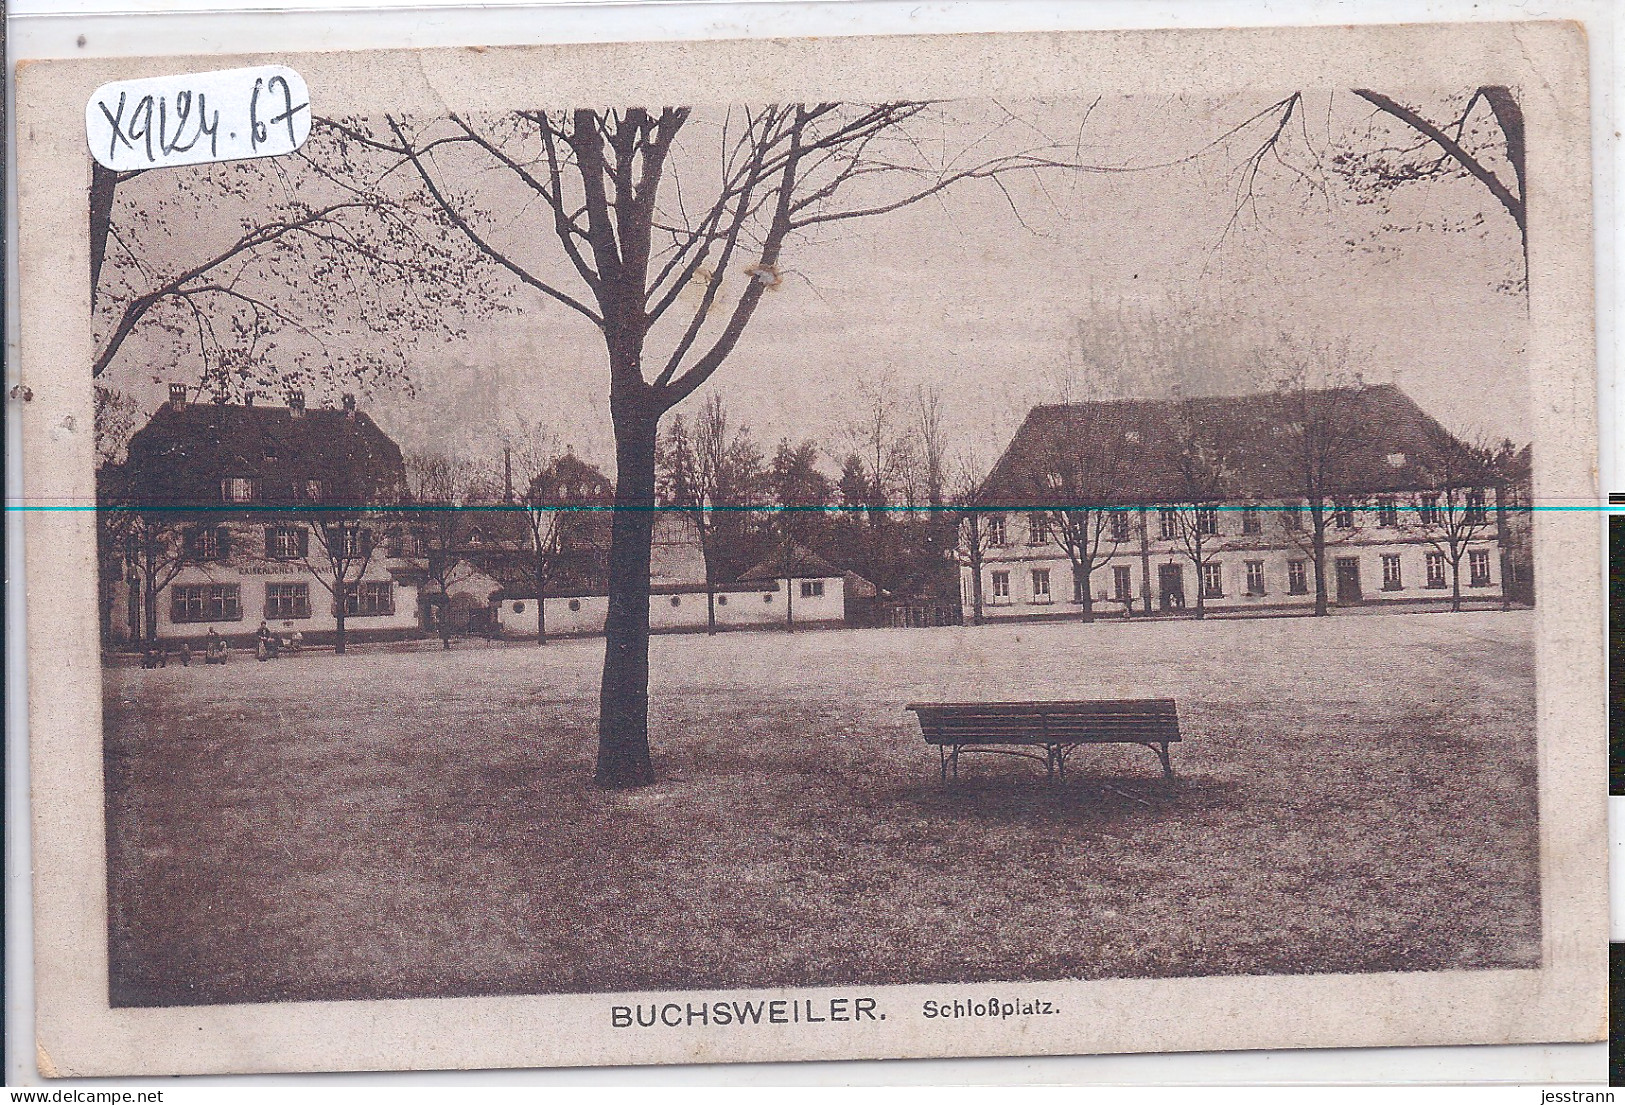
x=1150 y=719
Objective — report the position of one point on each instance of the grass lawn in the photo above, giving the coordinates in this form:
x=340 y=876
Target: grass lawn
x=1355 y=794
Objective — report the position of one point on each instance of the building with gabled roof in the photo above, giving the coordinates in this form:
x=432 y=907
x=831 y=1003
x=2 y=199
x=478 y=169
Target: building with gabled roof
x=246 y=514
x=1213 y=503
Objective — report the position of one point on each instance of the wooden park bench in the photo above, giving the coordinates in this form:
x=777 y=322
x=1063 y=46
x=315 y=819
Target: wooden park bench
x=1021 y=728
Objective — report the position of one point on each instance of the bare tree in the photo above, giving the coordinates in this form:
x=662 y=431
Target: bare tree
x=158 y=550
x=1075 y=475
x=1325 y=426
x=1484 y=140
x=337 y=549
x=622 y=194
x=436 y=531
x=1453 y=514
x=709 y=474
x=562 y=497
x=115 y=418
x=324 y=242
x=1476 y=135
x=974 y=536
x=1205 y=481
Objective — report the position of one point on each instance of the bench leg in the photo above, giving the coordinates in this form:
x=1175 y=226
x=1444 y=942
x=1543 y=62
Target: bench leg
x=942 y=756
x=1167 y=764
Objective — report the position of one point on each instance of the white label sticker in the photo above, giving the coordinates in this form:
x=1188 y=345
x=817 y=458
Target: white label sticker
x=226 y=115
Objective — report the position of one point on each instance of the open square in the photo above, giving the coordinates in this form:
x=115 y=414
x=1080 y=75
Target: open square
x=1352 y=794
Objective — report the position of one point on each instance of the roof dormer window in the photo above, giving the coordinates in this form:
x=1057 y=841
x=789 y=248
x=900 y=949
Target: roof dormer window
x=235 y=489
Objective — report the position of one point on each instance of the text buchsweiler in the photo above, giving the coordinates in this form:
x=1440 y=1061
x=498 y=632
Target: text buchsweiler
x=724 y=1014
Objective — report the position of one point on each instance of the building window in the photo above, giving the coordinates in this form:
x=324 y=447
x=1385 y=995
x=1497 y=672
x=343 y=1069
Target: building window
x=369 y=599
x=1297 y=577
x=1207 y=521
x=1435 y=566
x=237 y=490
x=220 y=602
x=1392 y=580
x=1343 y=515
x=1120 y=525
x=1001 y=585
x=1255 y=577
x=1250 y=523
x=1212 y=581
x=1037 y=528
x=1291 y=518
x=812 y=588
x=207 y=543
x=309 y=491
x=1167 y=523
x=349 y=542
x=1428 y=511
x=287 y=600
x=1041 y=585
x=1478 y=568
x=1387 y=511
x=285 y=542
x=1122 y=583
x=995 y=533
x=1476 y=515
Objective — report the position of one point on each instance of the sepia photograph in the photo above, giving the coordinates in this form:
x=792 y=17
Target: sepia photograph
x=738 y=555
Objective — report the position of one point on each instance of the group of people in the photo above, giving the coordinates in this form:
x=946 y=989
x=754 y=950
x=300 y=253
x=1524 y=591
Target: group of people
x=268 y=645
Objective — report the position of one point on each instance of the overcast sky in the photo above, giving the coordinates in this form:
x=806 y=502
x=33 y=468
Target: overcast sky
x=998 y=312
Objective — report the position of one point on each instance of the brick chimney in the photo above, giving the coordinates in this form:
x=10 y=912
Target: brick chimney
x=177 y=395
x=349 y=406
x=296 y=402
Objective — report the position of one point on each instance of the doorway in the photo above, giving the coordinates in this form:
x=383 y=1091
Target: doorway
x=1171 y=586
x=1348 y=580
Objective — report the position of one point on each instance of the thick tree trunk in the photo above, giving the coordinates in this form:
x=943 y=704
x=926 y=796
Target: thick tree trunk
x=623 y=701
x=1201 y=584
x=1455 y=586
x=338 y=618
x=132 y=610
x=541 y=589
x=1503 y=552
x=1080 y=587
x=1145 y=560
x=150 y=610
x=710 y=586
x=976 y=586
x=1317 y=513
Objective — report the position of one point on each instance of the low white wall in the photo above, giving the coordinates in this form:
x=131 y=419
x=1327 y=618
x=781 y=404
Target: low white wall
x=685 y=610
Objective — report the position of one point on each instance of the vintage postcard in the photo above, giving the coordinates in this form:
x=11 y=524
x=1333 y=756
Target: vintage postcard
x=842 y=548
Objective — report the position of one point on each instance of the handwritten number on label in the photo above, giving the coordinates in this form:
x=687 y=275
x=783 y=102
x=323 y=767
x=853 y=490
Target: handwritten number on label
x=198 y=117
x=140 y=125
x=260 y=131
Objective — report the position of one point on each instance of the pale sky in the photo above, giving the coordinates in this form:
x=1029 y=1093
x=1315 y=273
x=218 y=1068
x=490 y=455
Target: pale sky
x=958 y=293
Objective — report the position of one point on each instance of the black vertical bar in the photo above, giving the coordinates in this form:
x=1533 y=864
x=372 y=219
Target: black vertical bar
x=1616 y=650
